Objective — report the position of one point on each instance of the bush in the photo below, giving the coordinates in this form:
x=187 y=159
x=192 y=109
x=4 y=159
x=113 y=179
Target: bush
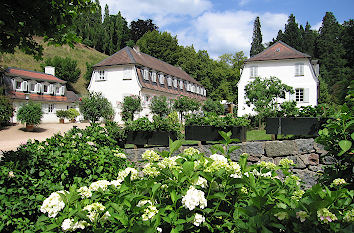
x=288 y=109
x=213 y=107
x=130 y=106
x=62 y=114
x=195 y=193
x=337 y=137
x=211 y=119
x=95 y=106
x=185 y=104
x=159 y=106
x=72 y=113
x=65 y=68
x=36 y=169
x=30 y=113
x=6 y=110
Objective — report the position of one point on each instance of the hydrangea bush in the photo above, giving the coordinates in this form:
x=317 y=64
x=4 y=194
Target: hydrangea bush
x=191 y=192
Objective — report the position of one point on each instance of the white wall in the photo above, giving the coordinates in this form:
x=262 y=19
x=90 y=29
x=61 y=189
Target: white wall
x=120 y=81
x=48 y=117
x=285 y=71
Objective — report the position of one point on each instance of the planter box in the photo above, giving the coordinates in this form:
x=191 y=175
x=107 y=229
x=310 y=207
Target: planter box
x=294 y=125
x=211 y=133
x=61 y=120
x=150 y=138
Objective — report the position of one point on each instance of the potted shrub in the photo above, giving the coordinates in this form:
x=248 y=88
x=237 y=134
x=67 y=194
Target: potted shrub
x=72 y=113
x=144 y=132
x=290 y=120
x=206 y=127
x=30 y=114
x=61 y=114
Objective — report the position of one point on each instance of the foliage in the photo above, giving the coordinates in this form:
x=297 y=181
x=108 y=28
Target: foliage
x=95 y=106
x=30 y=113
x=51 y=19
x=292 y=33
x=263 y=94
x=213 y=106
x=288 y=109
x=256 y=45
x=61 y=114
x=337 y=138
x=160 y=106
x=65 y=68
x=185 y=104
x=130 y=106
x=195 y=193
x=213 y=119
x=6 y=110
x=72 y=113
x=88 y=73
x=36 y=169
x=139 y=27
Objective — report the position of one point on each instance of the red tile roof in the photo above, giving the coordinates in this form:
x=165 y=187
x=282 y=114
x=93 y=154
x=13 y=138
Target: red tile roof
x=128 y=55
x=278 y=51
x=156 y=86
x=32 y=75
x=70 y=97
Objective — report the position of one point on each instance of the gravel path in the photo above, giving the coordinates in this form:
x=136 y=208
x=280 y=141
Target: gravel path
x=13 y=136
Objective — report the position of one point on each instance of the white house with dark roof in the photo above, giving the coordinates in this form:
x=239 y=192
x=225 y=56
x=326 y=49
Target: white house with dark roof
x=44 y=88
x=292 y=67
x=131 y=72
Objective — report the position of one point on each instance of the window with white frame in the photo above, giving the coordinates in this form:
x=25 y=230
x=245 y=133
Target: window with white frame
x=161 y=79
x=57 y=90
x=169 y=81
x=175 y=83
x=101 y=75
x=299 y=69
x=253 y=71
x=181 y=85
x=32 y=86
x=146 y=74
x=299 y=94
x=153 y=77
x=45 y=88
x=51 y=107
x=18 y=85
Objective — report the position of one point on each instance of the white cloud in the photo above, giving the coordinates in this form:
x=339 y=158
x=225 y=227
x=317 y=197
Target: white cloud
x=163 y=12
x=229 y=32
x=317 y=26
x=243 y=2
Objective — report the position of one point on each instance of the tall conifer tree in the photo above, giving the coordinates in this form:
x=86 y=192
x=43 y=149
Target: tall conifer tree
x=256 y=46
x=292 y=34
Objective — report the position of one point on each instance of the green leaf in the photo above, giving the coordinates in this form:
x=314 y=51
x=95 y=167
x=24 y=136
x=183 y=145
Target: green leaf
x=173 y=196
x=175 y=145
x=345 y=145
x=188 y=168
x=352 y=136
x=155 y=187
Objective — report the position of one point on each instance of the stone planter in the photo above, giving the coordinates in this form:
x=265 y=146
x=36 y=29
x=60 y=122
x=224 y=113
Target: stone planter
x=29 y=127
x=149 y=138
x=211 y=133
x=294 y=125
x=61 y=120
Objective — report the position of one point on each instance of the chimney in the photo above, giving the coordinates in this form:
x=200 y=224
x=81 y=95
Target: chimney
x=49 y=70
x=136 y=48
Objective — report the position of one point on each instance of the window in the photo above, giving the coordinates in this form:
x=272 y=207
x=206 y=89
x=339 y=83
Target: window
x=18 y=85
x=169 y=81
x=50 y=107
x=175 y=83
x=161 y=79
x=181 y=85
x=32 y=86
x=45 y=88
x=253 y=71
x=57 y=90
x=299 y=69
x=127 y=73
x=101 y=75
x=299 y=95
x=146 y=75
x=153 y=77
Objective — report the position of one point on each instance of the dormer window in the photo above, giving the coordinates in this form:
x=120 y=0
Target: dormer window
x=45 y=88
x=32 y=87
x=101 y=75
x=153 y=77
x=181 y=85
x=169 y=81
x=146 y=74
x=175 y=83
x=18 y=85
x=161 y=79
x=299 y=69
x=253 y=71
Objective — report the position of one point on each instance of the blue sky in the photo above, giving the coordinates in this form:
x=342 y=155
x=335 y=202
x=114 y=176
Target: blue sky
x=225 y=26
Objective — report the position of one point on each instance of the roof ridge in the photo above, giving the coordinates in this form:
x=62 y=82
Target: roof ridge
x=128 y=50
x=283 y=43
x=33 y=71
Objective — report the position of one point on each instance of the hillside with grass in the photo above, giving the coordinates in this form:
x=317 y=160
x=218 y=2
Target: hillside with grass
x=81 y=53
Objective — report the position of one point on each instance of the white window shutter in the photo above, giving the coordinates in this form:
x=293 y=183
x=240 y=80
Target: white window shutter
x=306 y=95
x=292 y=97
x=297 y=69
x=62 y=90
x=301 y=69
x=13 y=82
x=95 y=75
x=255 y=71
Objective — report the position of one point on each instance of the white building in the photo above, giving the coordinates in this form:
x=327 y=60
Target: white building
x=44 y=88
x=131 y=72
x=289 y=65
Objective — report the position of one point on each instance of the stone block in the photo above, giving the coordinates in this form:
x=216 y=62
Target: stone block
x=253 y=159
x=280 y=148
x=305 y=145
x=253 y=148
x=313 y=159
x=319 y=148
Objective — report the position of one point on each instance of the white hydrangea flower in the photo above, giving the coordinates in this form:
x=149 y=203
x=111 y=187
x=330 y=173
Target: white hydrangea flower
x=159 y=229
x=103 y=184
x=191 y=151
x=122 y=174
x=143 y=202
x=268 y=165
x=150 y=170
x=202 y=182
x=53 y=204
x=338 y=182
x=94 y=211
x=168 y=162
x=198 y=219
x=84 y=192
x=116 y=183
x=69 y=225
x=120 y=155
x=193 y=198
x=217 y=157
x=149 y=212
x=150 y=155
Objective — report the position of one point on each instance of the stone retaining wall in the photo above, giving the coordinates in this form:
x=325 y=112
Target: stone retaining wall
x=304 y=152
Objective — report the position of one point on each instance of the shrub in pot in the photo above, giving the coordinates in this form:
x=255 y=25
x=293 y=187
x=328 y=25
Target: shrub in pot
x=61 y=114
x=30 y=114
x=72 y=114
